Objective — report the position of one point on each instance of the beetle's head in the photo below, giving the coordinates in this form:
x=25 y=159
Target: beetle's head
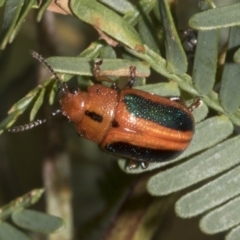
x=72 y=101
x=73 y=104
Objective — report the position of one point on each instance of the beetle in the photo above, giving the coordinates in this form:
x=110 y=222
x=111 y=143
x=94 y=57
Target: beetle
x=129 y=123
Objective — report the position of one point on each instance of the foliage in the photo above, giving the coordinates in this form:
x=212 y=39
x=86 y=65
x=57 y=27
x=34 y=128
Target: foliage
x=26 y=219
x=145 y=35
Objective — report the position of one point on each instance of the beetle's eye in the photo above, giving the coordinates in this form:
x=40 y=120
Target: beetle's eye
x=74 y=90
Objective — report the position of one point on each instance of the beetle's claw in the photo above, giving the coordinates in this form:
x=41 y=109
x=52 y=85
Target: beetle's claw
x=132 y=164
x=176 y=99
x=97 y=68
x=132 y=76
x=196 y=104
x=144 y=165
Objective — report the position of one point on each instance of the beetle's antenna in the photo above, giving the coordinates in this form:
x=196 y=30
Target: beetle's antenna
x=33 y=124
x=61 y=85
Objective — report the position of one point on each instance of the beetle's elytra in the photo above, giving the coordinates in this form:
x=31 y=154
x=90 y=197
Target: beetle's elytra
x=129 y=123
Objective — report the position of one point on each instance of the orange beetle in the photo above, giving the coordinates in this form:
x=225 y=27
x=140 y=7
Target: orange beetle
x=129 y=123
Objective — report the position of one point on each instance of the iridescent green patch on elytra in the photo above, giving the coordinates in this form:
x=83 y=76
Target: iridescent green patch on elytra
x=164 y=115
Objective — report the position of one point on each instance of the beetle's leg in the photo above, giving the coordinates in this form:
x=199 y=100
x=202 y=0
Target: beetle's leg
x=178 y=99
x=132 y=164
x=175 y=98
x=97 y=74
x=193 y=106
x=132 y=76
x=196 y=104
x=144 y=165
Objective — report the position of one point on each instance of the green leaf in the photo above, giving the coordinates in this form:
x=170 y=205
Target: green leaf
x=205 y=61
x=93 y=50
x=156 y=12
x=159 y=65
x=236 y=56
x=18 y=108
x=38 y=103
x=36 y=4
x=175 y=55
x=206 y=4
x=162 y=89
x=210 y=195
x=198 y=168
x=143 y=6
x=7 y=232
x=221 y=17
x=23 y=103
x=10 y=17
x=84 y=66
x=222 y=218
x=103 y=18
x=107 y=52
x=122 y=6
x=43 y=8
x=2 y=2
x=230 y=86
x=212 y=101
x=24 y=11
x=9 y=120
x=37 y=221
x=234 y=234
x=21 y=202
x=148 y=33
x=52 y=93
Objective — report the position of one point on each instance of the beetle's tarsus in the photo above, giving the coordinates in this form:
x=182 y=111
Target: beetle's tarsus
x=132 y=164
x=96 y=68
x=132 y=77
x=176 y=99
x=195 y=104
x=97 y=74
x=114 y=86
x=144 y=165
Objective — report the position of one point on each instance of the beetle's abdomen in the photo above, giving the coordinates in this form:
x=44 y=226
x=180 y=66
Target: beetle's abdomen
x=149 y=128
